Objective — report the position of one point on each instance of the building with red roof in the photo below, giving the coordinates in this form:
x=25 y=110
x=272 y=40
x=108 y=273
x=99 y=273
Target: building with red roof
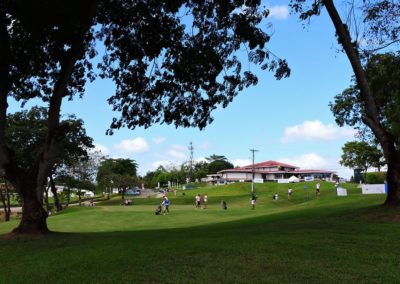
x=272 y=171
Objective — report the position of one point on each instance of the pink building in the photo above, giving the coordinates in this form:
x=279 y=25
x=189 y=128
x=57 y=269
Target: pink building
x=272 y=171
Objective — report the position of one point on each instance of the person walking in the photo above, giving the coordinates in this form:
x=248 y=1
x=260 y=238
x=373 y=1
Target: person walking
x=289 y=194
x=205 y=200
x=317 y=190
x=253 y=202
x=166 y=205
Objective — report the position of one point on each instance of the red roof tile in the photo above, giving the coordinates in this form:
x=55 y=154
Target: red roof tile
x=270 y=164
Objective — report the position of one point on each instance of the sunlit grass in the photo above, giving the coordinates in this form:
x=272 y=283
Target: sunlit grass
x=325 y=239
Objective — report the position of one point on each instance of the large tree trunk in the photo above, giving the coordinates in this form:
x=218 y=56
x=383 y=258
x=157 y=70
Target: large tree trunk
x=393 y=180
x=123 y=194
x=54 y=191
x=8 y=214
x=5 y=199
x=386 y=140
x=33 y=215
x=46 y=199
x=79 y=196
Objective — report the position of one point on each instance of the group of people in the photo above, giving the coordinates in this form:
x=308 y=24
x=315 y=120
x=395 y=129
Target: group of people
x=199 y=199
x=127 y=202
x=317 y=189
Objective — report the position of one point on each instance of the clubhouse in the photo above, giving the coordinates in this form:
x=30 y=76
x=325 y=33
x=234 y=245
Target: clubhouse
x=271 y=171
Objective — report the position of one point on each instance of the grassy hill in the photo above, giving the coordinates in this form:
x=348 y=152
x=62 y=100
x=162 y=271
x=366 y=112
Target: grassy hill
x=323 y=239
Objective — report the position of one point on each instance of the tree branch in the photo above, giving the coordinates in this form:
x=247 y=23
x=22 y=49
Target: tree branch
x=382 y=47
x=4 y=88
x=8 y=167
x=372 y=119
x=67 y=67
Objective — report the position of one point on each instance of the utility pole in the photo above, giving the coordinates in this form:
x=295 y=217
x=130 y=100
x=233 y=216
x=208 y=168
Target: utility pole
x=191 y=161
x=252 y=180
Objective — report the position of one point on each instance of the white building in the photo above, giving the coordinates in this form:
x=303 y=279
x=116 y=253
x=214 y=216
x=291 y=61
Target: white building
x=272 y=171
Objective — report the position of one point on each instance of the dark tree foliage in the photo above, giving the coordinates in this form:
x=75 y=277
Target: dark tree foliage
x=361 y=155
x=172 y=61
x=218 y=165
x=117 y=173
x=383 y=20
x=383 y=73
x=25 y=136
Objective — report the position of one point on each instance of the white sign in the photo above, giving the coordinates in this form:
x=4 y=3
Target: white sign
x=258 y=180
x=283 y=180
x=308 y=178
x=373 y=189
x=341 y=191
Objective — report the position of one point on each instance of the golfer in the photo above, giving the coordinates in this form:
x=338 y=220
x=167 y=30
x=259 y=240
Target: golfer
x=198 y=200
x=253 y=202
x=166 y=205
x=205 y=200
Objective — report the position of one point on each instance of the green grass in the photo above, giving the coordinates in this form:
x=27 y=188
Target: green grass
x=325 y=239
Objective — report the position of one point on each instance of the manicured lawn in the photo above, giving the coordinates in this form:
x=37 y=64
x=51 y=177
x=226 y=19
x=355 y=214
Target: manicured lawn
x=324 y=239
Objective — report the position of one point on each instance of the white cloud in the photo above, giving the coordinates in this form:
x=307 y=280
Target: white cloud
x=166 y=164
x=137 y=145
x=307 y=161
x=313 y=161
x=279 y=12
x=206 y=145
x=315 y=130
x=202 y=159
x=160 y=163
x=176 y=154
x=179 y=147
x=241 y=162
x=158 y=140
x=100 y=148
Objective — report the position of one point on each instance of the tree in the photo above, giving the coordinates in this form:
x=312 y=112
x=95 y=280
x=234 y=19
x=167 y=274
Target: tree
x=173 y=62
x=379 y=11
x=214 y=157
x=118 y=173
x=82 y=173
x=26 y=132
x=218 y=165
x=5 y=198
x=200 y=174
x=360 y=155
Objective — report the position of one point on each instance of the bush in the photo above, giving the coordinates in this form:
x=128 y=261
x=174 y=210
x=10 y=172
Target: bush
x=376 y=178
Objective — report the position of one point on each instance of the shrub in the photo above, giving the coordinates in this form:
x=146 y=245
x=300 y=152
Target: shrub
x=376 y=178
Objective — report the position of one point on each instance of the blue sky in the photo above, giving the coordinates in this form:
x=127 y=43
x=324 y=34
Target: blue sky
x=287 y=120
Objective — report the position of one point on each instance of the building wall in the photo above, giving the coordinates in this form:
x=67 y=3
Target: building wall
x=236 y=175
